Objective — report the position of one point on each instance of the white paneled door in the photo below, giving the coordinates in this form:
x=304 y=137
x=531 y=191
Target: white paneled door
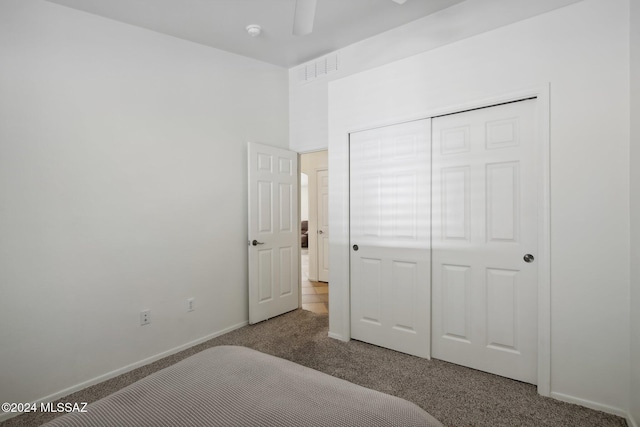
x=390 y=236
x=485 y=240
x=322 y=180
x=273 y=231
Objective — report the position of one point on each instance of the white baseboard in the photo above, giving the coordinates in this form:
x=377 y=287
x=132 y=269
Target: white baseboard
x=590 y=404
x=631 y=422
x=338 y=337
x=124 y=369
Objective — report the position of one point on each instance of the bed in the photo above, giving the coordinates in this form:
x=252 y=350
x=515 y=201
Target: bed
x=238 y=386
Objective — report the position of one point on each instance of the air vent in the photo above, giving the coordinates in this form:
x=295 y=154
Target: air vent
x=331 y=63
x=317 y=69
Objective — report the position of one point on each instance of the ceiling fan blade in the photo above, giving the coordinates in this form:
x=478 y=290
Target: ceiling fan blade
x=399 y=1
x=304 y=16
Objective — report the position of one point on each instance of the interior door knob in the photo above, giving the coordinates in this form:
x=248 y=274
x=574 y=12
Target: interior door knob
x=528 y=258
x=355 y=247
x=256 y=243
x=320 y=231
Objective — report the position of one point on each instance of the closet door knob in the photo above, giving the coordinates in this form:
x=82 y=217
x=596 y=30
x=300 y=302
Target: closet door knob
x=528 y=258
x=355 y=247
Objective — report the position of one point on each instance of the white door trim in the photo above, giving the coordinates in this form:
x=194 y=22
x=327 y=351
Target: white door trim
x=317 y=224
x=339 y=276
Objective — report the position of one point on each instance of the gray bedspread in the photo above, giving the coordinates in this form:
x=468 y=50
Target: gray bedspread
x=237 y=386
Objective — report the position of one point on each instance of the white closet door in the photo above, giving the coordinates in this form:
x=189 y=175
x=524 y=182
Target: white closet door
x=484 y=225
x=389 y=237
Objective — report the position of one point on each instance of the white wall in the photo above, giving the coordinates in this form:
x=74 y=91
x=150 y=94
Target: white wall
x=635 y=211
x=310 y=163
x=309 y=101
x=122 y=188
x=583 y=51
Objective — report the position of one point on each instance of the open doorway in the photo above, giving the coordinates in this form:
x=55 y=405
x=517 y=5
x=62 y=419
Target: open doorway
x=314 y=245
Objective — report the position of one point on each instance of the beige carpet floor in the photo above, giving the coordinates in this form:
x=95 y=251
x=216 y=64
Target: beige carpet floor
x=455 y=395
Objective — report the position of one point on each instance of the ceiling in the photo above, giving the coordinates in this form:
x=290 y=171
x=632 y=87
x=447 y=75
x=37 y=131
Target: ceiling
x=221 y=23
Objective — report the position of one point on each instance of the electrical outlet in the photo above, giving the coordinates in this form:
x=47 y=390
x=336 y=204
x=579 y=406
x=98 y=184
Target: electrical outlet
x=191 y=304
x=145 y=317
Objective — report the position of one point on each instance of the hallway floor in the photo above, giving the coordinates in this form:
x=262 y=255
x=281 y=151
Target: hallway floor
x=315 y=295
